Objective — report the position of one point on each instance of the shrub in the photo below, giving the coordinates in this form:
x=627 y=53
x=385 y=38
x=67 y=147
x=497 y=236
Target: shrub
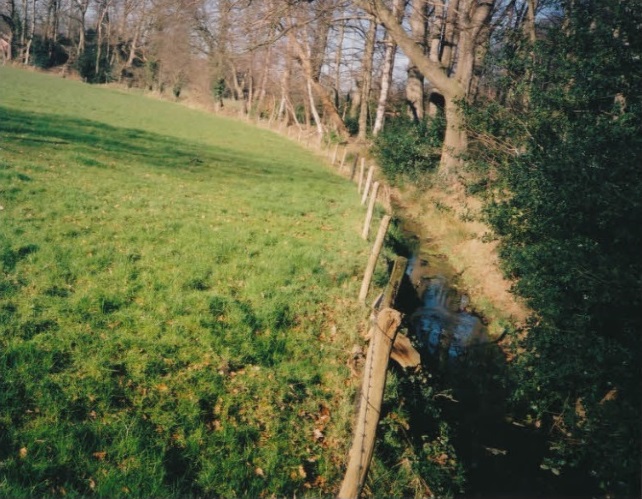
x=406 y=150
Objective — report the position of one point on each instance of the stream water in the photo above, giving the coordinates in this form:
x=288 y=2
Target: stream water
x=442 y=323
x=501 y=456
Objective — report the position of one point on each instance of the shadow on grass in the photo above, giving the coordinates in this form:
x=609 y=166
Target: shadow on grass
x=89 y=141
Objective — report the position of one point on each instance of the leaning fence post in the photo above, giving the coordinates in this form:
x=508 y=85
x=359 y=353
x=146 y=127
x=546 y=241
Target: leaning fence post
x=362 y=170
x=374 y=255
x=367 y=188
x=371 y=205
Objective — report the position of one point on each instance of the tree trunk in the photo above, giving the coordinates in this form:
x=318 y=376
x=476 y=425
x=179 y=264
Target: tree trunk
x=31 y=33
x=83 y=5
x=386 y=73
x=23 y=28
x=315 y=112
x=132 y=48
x=355 y=100
x=386 y=80
x=450 y=30
x=337 y=64
x=475 y=17
x=455 y=140
x=452 y=89
x=436 y=28
x=366 y=79
x=331 y=112
x=99 y=36
x=285 y=84
x=264 y=79
x=415 y=84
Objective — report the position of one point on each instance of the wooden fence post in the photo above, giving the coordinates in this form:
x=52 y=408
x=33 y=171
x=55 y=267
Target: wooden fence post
x=367 y=187
x=334 y=156
x=343 y=160
x=373 y=385
x=371 y=205
x=403 y=353
x=353 y=170
x=362 y=170
x=374 y=255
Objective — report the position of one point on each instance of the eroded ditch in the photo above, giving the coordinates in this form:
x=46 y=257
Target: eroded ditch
x=469 y=369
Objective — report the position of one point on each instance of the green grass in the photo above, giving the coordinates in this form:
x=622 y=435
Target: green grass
x=168 y=285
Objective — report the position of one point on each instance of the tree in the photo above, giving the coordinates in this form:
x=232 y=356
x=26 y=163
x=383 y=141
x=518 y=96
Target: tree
x=307 y=30
x=386 y=73
x=366 y=77
x=472 y=16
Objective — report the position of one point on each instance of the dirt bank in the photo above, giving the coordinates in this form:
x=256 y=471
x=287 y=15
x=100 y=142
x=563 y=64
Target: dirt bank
x=450 y=223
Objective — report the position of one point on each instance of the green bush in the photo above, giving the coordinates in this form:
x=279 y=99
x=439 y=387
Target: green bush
x=47 y=53
x=565 y=205
x=86 y=65
x=352 y=124
x=406 y=150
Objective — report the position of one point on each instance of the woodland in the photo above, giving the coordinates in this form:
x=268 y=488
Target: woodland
x=533 y=107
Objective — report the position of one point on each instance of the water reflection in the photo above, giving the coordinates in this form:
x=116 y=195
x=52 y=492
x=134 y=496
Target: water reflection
x=443 y=324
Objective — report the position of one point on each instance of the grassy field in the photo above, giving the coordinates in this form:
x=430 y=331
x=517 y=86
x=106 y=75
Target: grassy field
x=176 y=300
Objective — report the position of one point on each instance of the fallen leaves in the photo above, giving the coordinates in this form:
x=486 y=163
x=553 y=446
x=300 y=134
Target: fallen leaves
x=611 y=395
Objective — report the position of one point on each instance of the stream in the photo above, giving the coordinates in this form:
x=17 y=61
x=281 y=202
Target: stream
x=502 y=457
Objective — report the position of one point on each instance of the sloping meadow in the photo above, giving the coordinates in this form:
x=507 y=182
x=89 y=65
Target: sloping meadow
x=176 y=300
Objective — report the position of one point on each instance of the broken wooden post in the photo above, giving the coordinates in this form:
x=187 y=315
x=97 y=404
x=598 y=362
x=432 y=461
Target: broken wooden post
x=368 y=182
x=374 y=255
x=371 y=206
x=374 y=383
x=403 y=353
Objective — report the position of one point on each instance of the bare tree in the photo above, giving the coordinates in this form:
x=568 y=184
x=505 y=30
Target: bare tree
x=83 y=6
x=386 y=72
x=473 y=15
x=308 y=27
x=366 y=77
x=29 y=32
